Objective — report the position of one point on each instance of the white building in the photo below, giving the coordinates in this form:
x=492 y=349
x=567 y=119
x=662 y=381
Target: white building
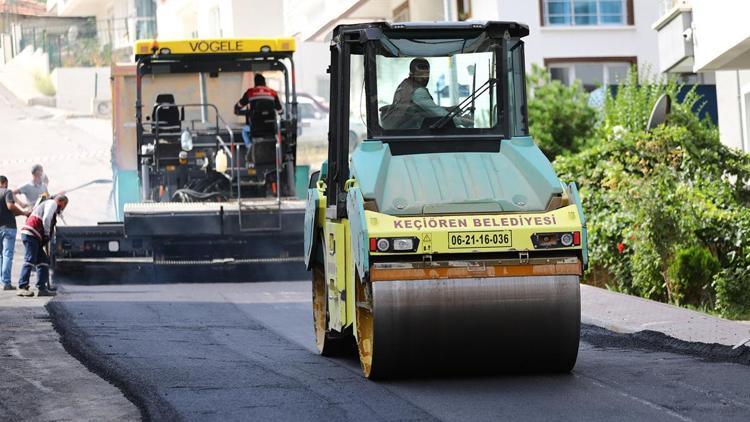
x=595 y=41
x=706 y=37
x=118 y=22
x=179 y=19
x=219 y=18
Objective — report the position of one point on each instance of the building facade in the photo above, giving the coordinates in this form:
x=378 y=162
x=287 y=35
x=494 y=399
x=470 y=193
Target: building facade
x=595 y=41
x=118 y=22
x=179 y=19
x=710 y=39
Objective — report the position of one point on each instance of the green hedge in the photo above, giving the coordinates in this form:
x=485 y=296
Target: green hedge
x=668 y=209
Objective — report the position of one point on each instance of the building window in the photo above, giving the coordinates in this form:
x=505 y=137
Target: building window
x=592 y=72
x=401 y=12
x=145 y=11
x=586 y=12
x=464 y=9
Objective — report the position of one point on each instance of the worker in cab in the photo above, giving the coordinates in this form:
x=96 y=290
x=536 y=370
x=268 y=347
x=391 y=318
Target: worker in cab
x=412 y=101
x=259 y=105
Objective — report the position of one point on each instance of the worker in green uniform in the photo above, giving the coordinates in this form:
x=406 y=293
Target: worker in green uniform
x=412 y=101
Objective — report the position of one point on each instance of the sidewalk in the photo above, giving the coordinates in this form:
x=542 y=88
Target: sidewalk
x=629 y=314
x=39 y=380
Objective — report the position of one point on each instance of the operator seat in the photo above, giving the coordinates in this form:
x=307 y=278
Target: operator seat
x=169 y=121
x=263 y=130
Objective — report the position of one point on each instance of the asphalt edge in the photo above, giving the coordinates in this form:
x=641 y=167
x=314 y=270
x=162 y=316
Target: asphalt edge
x=659 y=342
x=148 y=401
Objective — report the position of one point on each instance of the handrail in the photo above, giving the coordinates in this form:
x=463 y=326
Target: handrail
x=156 y=119
x=231 y=140
x=278 y=160
x=278 y=187
x=165 y=105
x=234 y=175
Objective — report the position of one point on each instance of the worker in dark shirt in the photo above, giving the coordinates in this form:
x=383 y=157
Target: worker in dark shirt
x=244 y=106
x=412 y=101
x=8 y=212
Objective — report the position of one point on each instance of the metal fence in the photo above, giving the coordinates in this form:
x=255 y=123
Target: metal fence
x=84 y=41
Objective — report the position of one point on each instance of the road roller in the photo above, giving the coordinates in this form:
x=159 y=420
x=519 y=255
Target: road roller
x=444 y=241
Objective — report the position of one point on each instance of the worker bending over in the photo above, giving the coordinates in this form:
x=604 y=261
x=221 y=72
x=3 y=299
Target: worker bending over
x=35 y=235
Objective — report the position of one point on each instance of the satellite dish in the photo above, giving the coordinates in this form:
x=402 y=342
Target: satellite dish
x=659 y=113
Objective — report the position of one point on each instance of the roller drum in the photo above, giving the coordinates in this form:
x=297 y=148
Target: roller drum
x=499 y=324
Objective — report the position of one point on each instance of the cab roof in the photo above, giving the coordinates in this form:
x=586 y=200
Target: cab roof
x=244 y=47
x=497 y=28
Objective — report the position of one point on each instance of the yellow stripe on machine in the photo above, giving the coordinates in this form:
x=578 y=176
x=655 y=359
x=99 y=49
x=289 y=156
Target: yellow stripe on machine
x=513 y=231
x=215 y=46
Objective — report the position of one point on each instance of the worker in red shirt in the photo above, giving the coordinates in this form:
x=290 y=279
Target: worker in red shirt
x=244 y=107
x=35 y=235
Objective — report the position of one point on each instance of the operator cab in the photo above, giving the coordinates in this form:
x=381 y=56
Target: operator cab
x=435 y=87
x=190 y=143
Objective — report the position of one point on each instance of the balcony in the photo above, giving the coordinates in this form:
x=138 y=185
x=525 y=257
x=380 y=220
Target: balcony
x=675 y=39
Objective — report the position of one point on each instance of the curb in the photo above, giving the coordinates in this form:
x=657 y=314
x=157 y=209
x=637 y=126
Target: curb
x=659 y=342
x=148 y=402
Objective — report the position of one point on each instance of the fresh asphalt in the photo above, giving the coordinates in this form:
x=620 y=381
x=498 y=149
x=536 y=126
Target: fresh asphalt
x=246 y=352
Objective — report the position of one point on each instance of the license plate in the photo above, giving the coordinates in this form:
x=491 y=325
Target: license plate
x=473 y=240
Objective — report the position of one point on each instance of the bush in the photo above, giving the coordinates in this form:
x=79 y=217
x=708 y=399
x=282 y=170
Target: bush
x=87 y=52
x=43 y=84
x=657 y=201
x=690 y=276
x=732 y=287
x=560 y=117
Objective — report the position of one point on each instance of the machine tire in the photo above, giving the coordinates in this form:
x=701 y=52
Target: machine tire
x=328 y=342
x=365 y=328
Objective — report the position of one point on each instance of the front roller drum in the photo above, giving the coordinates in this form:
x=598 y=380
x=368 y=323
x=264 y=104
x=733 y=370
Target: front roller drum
x=480 y=325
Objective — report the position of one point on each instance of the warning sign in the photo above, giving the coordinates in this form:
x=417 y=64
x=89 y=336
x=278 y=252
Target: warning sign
x=427 y=243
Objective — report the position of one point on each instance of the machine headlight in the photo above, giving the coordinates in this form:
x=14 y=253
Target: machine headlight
x=113 y=246
x=393 y=244
x=566 y=239
x=556 y=240
x=403 y=244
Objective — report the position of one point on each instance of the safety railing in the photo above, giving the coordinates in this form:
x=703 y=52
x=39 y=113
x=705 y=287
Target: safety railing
x=233 y=152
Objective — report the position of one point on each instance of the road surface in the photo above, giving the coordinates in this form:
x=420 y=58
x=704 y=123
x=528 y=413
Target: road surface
x=246 y=352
